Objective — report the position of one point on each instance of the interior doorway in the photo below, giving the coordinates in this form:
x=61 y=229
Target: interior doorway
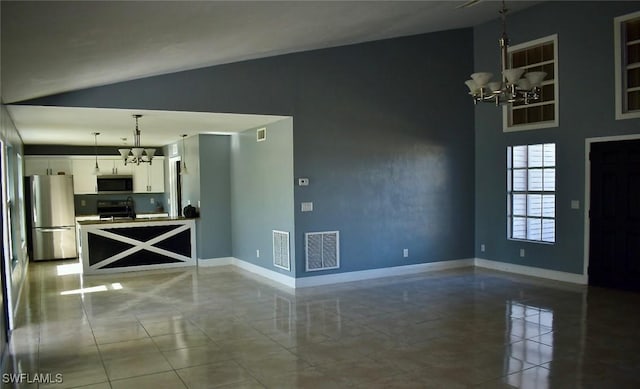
x=614 y=214
x=175 y=186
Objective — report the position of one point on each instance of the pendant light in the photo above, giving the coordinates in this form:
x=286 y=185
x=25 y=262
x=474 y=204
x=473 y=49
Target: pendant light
x=138 y=154
x=96 y=168
x=513 y=87
x=183 y=165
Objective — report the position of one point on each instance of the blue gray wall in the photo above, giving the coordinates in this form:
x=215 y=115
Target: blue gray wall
x=262 y=193
x=214 y=224
x=386 y=140
x=380 y=128
x=207 y=189
x=586 y=80
x=17 y=265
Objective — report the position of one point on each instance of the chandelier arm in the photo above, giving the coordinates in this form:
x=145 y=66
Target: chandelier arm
x=136 y=134
x=504 y=42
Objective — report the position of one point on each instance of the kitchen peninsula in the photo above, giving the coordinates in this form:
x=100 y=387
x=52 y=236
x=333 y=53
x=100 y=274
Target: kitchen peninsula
x=112 y=246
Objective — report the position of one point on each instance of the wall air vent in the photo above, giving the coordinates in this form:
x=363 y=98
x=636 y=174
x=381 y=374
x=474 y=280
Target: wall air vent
x=322 y=250
x=261 y=134
x=281 y=250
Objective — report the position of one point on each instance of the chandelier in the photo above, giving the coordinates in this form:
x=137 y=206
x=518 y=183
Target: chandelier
x=137 y=154
x=513 y=88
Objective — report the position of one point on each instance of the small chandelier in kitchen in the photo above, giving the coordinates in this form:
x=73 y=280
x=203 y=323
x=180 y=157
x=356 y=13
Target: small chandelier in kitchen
x=512 y=88
x=96 y=168
x=137 y=154
x=183 y=165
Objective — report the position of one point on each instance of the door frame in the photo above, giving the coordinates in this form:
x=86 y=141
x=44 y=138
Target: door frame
x=174 y=187
x=587 y=192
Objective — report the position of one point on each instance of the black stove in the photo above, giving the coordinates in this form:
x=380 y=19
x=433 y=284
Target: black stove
x=116 y=209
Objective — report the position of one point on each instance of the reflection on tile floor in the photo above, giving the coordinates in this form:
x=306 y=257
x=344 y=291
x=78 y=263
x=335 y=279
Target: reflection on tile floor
x=224 y=328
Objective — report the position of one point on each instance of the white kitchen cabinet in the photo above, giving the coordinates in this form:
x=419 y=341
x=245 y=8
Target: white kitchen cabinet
x=114 y=165
x=146 y=178
x=84 y=180
x=46 y=165
x=149 y=178
x=156 y=176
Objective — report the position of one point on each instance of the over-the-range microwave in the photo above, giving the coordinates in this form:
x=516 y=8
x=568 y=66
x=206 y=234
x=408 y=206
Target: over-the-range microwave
x=115 y=184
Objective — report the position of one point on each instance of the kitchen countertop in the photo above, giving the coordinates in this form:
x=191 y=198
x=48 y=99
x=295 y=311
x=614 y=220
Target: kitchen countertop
x=129 y=220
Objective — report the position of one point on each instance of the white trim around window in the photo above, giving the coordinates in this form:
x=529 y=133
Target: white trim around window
x=506 y=109
x=619 y=40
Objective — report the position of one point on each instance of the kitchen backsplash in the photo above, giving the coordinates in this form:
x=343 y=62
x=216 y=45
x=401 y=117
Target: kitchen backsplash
x=144 y=203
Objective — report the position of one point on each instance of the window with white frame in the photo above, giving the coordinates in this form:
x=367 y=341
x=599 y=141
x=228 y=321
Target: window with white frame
x=540 y=55
x=627 y=58
x=531 y=192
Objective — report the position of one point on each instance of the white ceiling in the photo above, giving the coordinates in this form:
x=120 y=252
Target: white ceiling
x=75 y=126
x=50 y=47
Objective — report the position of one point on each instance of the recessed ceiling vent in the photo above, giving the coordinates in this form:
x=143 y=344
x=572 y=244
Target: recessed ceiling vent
x=322 y=250
x=261 y=134
x=281 y=250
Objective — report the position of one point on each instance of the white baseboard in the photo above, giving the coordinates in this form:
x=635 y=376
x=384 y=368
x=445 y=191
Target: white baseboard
x=304 y=282
x=279 y=278
x=266 y=273
x=223 y=261
x=532 y=271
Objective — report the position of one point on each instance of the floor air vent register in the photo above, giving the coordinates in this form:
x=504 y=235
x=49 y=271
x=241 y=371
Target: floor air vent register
x=281 y=257
x=322 y=250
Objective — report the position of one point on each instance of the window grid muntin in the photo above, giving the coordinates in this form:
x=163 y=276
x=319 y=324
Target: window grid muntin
x=531 y=116
x=631 y=61
x=513 y=167
x=627 y=59
x=547 y=90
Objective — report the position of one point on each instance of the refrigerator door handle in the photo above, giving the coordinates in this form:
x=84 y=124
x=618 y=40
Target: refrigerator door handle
x=56 y=229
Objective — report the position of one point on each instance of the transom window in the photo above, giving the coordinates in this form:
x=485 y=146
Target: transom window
x=541 y=56
x=531 y=192
x=627 y=45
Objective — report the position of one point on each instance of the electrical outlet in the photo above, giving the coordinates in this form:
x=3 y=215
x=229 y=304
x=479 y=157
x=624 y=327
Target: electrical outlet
x=188 y=202
x=405 y=253
x=306 y=207
x=198 y=203
x=152 y=200
x=521 y=252
x=83 y=203
x=482 y=248
x=257 y=253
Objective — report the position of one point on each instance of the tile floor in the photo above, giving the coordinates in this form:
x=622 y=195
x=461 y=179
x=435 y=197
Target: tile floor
x=224 y=328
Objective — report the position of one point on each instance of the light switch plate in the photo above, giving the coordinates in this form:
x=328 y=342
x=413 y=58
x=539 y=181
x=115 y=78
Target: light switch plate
x=575 y=204
x=306 y=207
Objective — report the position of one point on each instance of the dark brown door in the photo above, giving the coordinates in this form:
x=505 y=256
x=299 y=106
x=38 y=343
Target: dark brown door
x=614 y=242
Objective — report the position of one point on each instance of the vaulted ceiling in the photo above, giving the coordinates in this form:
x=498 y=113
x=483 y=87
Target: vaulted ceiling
x=50 y=47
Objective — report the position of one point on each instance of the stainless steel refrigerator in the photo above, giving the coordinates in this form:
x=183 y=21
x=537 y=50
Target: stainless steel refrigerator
x=53 y=217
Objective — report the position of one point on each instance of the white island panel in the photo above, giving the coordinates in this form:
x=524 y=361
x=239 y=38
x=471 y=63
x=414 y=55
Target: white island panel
x=131 y=245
